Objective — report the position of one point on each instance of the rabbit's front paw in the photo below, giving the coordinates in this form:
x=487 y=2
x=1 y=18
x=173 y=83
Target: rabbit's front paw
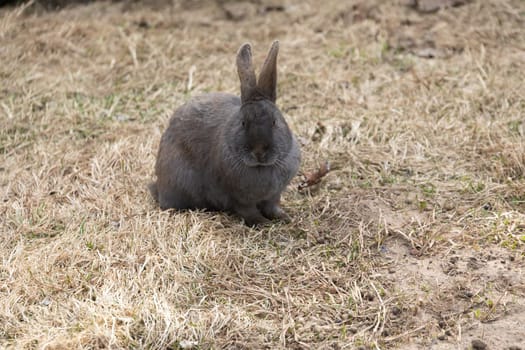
x=273 y=211
x=281 y=215
x=252 y=216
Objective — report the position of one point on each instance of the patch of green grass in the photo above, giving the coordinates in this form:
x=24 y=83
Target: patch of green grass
x=402 y=64
x=365 y=184
x=387 y=179
x=82 y=228
x=472 y=186
x=428 y=189
x=515 y=126
x=339 y=52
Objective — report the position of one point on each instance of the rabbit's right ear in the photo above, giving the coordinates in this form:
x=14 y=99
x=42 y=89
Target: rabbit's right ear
x=246 y=72
x=267 y=84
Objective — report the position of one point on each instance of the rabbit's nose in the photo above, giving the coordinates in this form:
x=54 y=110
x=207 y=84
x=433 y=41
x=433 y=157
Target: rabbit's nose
x=259 y=155
x=259 y=152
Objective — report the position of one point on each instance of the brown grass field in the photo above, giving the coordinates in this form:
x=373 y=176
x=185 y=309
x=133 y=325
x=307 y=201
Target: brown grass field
x=414 y=240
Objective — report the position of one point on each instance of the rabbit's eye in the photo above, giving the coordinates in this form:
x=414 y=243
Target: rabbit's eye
x=243 y=123
x=273 y=123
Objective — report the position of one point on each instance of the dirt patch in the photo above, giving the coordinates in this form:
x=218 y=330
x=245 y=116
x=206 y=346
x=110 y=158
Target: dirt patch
x=485 y=286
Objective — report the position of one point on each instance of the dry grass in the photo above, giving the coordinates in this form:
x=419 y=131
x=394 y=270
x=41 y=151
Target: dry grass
x=414 y=240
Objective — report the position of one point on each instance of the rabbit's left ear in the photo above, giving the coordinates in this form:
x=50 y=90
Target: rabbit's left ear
x=267 y=83
x=246 y=72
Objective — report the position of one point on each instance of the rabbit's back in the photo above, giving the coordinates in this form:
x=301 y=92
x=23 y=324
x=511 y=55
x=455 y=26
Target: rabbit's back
x=188 y=150
x=196 y=125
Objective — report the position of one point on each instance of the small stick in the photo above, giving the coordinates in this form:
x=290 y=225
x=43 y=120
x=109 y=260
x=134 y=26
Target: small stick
x=315 y=177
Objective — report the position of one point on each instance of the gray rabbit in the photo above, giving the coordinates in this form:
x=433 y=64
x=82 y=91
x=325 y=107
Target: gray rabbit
x=222 y=152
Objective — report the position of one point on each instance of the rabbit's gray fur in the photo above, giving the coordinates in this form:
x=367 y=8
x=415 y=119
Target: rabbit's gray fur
x=222 y=152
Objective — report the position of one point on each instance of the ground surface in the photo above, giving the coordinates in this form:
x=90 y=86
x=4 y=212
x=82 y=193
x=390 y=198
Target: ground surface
x=414 y=240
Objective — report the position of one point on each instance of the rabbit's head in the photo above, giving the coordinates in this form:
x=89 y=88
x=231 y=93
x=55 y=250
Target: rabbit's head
x=261 y=135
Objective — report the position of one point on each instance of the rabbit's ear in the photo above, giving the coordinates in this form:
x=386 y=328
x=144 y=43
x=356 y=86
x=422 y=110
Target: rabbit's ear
x=246 y=71
x=267 y=83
